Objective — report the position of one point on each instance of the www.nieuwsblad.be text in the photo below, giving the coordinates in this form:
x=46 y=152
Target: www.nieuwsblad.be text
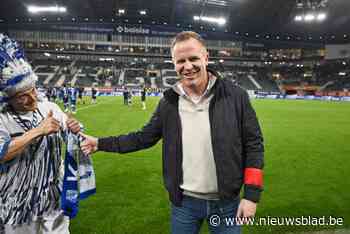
x=216 y=220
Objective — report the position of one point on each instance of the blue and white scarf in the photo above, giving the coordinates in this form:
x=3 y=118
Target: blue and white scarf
x=79 y=177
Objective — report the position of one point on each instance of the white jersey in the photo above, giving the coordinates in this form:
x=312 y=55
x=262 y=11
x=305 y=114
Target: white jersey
x=30 y=182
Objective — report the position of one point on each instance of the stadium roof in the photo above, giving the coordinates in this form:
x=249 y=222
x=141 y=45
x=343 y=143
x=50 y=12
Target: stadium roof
x=251 y=18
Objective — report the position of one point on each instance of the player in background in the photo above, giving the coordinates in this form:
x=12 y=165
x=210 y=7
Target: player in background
x=73 y=93
x=65 y=96
x=93 y=95
x=143 y=97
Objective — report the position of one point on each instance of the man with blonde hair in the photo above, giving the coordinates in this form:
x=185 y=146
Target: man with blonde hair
x=212 y=144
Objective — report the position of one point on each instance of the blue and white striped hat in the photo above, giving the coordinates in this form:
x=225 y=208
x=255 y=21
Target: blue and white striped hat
x=16 y=74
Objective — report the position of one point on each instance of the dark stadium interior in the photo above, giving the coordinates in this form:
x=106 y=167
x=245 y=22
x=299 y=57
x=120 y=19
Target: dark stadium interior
x=249 y=18
x=261 y=47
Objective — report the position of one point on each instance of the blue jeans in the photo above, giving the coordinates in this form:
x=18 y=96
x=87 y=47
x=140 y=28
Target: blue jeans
x=188 y=218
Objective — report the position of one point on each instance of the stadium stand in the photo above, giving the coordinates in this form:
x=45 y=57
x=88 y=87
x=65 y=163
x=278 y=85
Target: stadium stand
x=330 y=76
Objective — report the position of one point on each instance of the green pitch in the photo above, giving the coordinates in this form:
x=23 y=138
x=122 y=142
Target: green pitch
x=307 y=168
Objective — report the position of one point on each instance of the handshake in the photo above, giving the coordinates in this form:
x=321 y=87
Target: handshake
x=51 y=125
x=89 y=144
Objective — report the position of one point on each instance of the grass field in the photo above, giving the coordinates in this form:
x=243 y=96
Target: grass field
x=307 y=168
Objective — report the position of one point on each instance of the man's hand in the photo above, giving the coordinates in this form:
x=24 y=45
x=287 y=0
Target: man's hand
x=246 y=209
x=89 y=145
x=73 y=124
x=49 y=125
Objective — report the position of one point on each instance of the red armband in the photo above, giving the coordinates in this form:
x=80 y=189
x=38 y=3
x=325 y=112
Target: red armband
x=253 y=176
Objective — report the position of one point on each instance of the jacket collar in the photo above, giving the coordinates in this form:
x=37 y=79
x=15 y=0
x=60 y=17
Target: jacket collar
x=173 y=96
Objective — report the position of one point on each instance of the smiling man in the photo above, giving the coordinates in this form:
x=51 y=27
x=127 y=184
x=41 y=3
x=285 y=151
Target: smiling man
x=30 y=150
x=212 y=143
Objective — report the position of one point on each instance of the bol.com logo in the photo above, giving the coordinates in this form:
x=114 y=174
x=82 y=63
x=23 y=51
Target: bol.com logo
x=214 y=220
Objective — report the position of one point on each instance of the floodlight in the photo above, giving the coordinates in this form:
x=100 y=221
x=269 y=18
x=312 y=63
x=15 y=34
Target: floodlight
x=309 y=17
x=220 y=21
x=321 y=16
x=298 y=18
x=53 y=9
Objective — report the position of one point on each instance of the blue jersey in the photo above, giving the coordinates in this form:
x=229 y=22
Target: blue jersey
x=65 y=94
x=73 y=93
